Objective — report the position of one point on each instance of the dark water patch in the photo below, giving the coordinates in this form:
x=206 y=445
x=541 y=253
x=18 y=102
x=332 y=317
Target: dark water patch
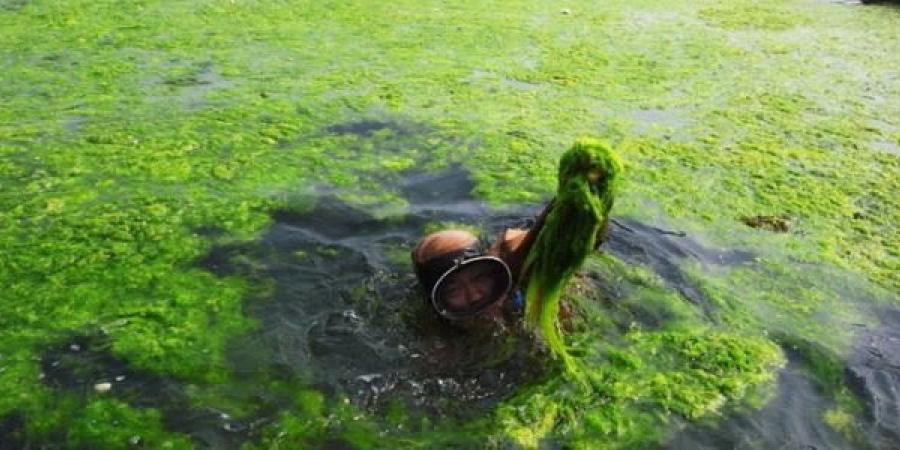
x=316 y=240
x=186 y=82
x=83 y=362
x=448 y=196
x=873 y=374
x=656 y=244
x=433 y=197
x=381 y=135
x=807 y=389
x=209 y=231
x=895 y=3
x=335 y=444
x=622 y=300
x=368 y=127
x=822 y=365
x=792 y=420
x=13 y=5
x=381 y=151
x=195 y=89
x=361 y=128
x=203 y=75
x=663 y=251
x=84 y=365
x=450 y=186
x=340 y=315
x=332 y=219
x=12 y=432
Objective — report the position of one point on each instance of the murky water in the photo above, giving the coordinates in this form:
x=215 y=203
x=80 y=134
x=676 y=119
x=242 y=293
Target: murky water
x=793 y=419
x=82 y=364
x=873 y=374
x=346 y=312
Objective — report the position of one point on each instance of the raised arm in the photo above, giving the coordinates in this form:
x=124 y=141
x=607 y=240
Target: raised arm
x=513 y=244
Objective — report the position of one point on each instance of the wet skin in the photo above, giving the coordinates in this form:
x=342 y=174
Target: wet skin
x=470 y=288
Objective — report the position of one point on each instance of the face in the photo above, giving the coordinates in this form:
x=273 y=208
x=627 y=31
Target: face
x=470 y=287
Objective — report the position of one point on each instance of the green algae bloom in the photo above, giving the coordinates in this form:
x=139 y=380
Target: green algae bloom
x=580 y=211
x=137 y=136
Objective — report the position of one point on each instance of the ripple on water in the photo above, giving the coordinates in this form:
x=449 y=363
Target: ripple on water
x=346 y=318
x=873 y=374
x=342 y=316
x=795 y=417
x=85 y=366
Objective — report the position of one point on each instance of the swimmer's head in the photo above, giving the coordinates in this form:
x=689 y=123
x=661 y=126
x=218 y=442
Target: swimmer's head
x=459 y=279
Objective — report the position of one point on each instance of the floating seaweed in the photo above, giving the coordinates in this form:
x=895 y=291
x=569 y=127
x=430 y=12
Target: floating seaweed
x=580 y=211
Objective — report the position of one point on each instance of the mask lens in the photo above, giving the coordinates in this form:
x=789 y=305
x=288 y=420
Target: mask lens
x=473 y=286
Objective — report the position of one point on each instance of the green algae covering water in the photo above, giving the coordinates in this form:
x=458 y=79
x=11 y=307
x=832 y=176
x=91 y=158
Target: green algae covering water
x=206 y=210
x=580 y=210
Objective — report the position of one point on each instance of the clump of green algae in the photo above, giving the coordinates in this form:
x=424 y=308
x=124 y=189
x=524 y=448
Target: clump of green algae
x=588 y=174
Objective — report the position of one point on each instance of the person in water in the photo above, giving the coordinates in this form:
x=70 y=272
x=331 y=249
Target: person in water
x=463 y=278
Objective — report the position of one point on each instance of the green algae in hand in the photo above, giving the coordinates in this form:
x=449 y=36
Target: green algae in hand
x=587 y=180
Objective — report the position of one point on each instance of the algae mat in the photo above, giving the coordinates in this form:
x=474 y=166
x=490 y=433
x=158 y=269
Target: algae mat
x=206 y=209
